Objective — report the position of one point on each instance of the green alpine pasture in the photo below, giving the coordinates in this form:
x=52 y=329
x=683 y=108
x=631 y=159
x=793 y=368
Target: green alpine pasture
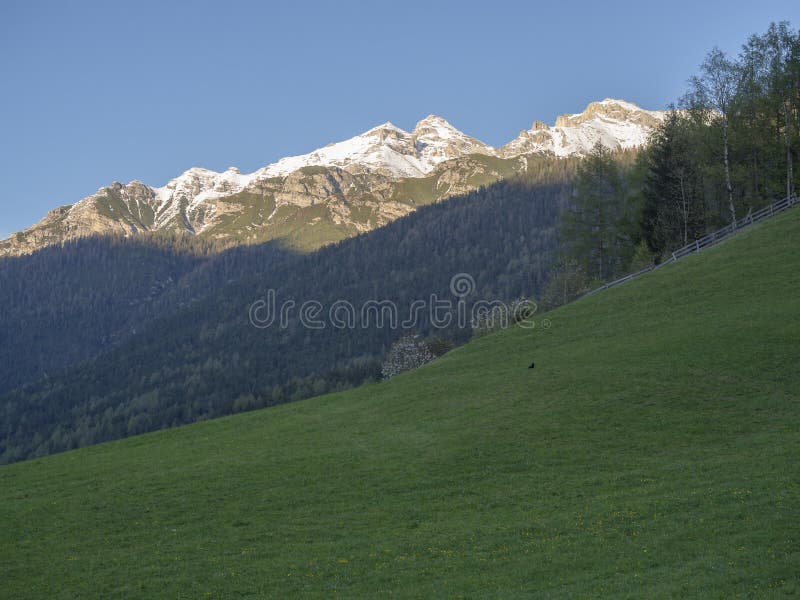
x=653 y=452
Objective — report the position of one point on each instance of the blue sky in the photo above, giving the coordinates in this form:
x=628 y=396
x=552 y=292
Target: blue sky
x=92 y=93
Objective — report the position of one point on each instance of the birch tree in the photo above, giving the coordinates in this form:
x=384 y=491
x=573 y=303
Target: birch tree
x=715 y=89
x=773 y=60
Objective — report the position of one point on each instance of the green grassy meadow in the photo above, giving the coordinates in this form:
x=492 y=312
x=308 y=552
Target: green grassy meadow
x=654 y=452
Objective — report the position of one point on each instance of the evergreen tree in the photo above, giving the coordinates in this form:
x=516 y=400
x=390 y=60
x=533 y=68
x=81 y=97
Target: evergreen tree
x=596 y=224
x=673 y=212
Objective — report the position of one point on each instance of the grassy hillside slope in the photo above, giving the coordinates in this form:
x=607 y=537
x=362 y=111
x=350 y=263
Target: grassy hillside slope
x=652 y=452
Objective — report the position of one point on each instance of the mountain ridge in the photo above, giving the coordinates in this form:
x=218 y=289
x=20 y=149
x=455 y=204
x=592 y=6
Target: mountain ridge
x=336 y=191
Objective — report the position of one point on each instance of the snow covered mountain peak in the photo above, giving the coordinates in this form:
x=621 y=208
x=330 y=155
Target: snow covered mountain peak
x=436 y=140
x=434 y=121
x=388 y=150
x=192 y=188
x=611 y=110
x=393 y=152
x=372 y=165
x=617 y=124
x=378 y=129
x=436 y=127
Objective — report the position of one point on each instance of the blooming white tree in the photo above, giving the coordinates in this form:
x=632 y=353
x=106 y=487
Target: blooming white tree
x=499 y=315
x=405 y=354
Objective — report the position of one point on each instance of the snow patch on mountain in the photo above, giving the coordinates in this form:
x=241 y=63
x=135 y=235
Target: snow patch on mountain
x=617 y=124
x=193 y=188
x=389 y=150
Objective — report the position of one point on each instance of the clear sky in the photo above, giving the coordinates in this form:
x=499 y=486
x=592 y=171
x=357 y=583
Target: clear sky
x=96 y=92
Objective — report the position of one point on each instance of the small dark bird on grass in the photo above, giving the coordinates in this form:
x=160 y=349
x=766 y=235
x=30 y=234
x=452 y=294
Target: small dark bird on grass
x=532 y=365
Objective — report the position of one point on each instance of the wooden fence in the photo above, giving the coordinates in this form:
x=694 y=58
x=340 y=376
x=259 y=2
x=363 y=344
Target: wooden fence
x=709 y=240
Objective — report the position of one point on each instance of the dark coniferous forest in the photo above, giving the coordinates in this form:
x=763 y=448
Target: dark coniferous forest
x=176 y=343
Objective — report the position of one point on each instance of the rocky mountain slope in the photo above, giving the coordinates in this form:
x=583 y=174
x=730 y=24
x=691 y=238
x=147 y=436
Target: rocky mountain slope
x=334 y=192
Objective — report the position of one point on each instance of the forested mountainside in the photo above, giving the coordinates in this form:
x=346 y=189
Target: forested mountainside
x=199 y=356
x=652 y=453
x=64 y=304
x=179 y=345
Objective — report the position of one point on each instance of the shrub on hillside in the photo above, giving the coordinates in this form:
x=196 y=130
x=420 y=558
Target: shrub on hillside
x=407 y=353
x=498 y=315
